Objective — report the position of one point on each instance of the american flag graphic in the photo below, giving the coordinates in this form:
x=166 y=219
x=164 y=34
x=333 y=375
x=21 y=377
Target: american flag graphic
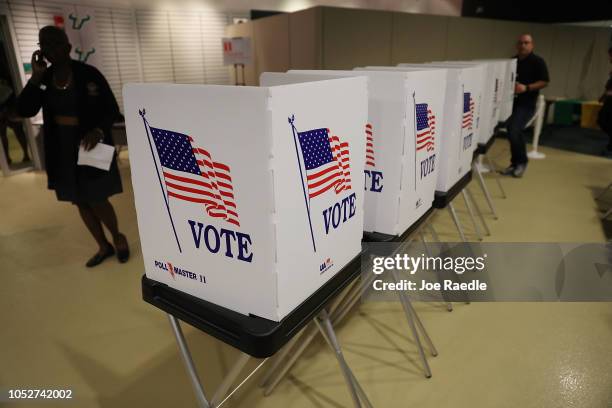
x=326 y=159
x=468 y=110
x=425 y=127
x=369 y=146
x=190 y=174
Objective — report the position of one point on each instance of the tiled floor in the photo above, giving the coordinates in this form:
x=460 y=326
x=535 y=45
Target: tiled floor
x=64 y=326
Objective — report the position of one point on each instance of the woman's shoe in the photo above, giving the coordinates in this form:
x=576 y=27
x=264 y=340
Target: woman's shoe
x=123 y=254
x=99 y=257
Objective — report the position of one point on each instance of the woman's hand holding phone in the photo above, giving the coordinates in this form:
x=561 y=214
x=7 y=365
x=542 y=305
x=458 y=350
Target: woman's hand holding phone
x=39 y=66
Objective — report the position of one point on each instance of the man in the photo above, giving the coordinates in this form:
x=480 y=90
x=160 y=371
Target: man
x=79 y=109
x=532 y=75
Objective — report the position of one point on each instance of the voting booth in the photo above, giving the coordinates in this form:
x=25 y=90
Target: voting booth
x=248 y=197
x=500 y=86
x=480 y=85
x=506 y=70
x=471 y=128
x=492 y=89
x=402 y=146
x=457 y=136
x=506 y=110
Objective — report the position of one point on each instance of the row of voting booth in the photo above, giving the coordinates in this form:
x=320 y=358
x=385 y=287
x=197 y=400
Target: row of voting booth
x=252 y=202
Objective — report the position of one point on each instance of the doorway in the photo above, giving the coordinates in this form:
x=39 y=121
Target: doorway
x=17 y=154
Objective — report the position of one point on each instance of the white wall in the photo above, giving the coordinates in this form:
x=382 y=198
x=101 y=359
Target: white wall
x=441 y=7
x=136 y=44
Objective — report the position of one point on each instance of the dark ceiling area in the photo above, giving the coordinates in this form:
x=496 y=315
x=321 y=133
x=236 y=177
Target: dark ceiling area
x=539 y=11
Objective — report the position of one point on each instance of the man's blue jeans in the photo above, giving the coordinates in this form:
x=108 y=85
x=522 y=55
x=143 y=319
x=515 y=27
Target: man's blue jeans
x=516 y=125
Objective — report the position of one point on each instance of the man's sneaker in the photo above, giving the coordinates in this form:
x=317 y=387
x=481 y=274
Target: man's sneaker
x=508 y=171
x=519 y=170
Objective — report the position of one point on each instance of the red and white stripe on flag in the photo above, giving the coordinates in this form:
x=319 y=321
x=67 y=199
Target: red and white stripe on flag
x=340 y=151
x=213 y=187
x=369 y=146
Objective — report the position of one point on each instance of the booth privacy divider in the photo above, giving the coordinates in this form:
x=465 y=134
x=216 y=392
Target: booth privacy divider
x=505 y=69
x=403 y=142
x=491 y=89
x=458 y=132
x=472 y=87
x=250 y=198
x=505 y=109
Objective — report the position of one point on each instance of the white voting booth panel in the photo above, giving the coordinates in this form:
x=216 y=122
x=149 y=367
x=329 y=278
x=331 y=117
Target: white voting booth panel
x=506 y=111
x=244 y=195
x=508 y=67
x=457 y=132
x=486 y=110
x=493 y=90
x=503 y=78
x=400 y=174
x=471 y=91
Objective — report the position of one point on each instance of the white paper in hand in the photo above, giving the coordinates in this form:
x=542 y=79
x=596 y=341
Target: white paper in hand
x=100 y=156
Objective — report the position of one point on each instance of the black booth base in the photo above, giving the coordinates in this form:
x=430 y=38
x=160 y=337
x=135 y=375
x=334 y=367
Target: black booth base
x=380 y=237
x=483 y=148
x=256 y=336
x=442 y=199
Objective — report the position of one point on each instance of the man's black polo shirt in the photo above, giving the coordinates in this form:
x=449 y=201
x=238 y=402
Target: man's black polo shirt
x=530 y=69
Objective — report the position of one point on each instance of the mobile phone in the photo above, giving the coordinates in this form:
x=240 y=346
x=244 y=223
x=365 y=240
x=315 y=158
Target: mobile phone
x=38 y=58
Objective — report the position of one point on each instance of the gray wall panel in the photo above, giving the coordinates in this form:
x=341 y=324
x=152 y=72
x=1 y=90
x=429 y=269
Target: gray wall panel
x=418 y=38
x=470 y=38
x=272 y=46
x=356 y=37
x=305 y=36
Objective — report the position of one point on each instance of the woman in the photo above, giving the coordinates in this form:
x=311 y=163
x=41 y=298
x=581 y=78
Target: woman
x=78 y=110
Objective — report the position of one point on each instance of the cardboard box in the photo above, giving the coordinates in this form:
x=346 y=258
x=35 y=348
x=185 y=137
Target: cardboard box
x=400 y=174
x=248 y=197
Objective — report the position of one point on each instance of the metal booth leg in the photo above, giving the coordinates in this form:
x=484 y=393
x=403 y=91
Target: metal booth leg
x=219 y=396
x=229 y=379
x=325 y=327
x=292 y=352
x=188 y=361
x=453 y=214
x=480 y=215
x=411 y=316
x=471 y=212
x=485 y=190
x=449 y=305
x=495 y=174
x=338 y=311
x=433 y=232
x=603 y=193
x=437 y=238
x=281 y=358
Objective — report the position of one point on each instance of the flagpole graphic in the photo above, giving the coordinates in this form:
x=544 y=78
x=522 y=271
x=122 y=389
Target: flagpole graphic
x=415 y=138
x=146 y=126
x=294 y=130
x=461 y=126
